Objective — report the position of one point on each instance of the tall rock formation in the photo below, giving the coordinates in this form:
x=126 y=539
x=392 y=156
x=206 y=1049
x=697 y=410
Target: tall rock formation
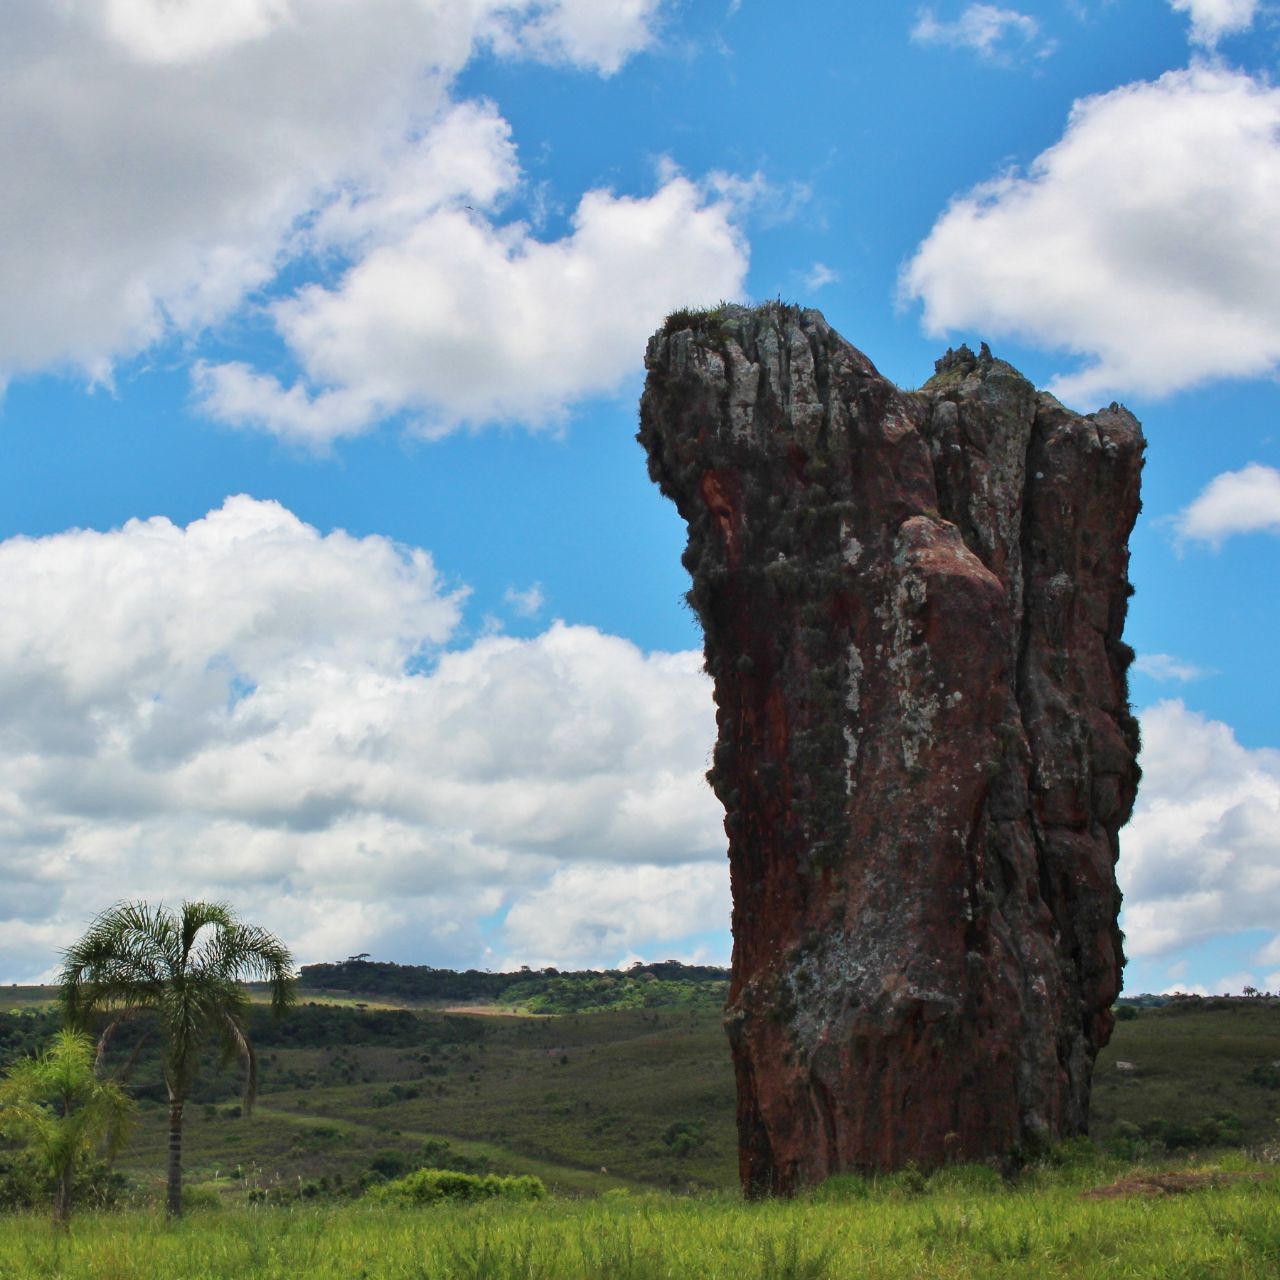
x=912 y=604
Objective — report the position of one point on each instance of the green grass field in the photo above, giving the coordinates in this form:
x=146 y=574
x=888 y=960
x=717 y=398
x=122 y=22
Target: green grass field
x=971 y=1227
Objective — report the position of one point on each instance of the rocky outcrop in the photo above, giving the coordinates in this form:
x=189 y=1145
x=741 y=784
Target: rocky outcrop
x=912 y=605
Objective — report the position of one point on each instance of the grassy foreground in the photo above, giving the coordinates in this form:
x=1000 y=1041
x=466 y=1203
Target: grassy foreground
x=972 y=1227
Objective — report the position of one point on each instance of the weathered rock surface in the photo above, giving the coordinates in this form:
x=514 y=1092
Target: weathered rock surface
x=912 y=605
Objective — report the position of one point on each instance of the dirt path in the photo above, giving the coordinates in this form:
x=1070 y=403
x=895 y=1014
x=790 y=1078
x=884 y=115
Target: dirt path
x=492 y=1011
x=1166 y=1184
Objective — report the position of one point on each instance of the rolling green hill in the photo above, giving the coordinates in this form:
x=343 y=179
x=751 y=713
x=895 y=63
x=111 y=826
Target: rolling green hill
x=631 y=1097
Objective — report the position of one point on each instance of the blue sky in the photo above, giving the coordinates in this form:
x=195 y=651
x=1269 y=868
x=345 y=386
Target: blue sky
x=336 y=585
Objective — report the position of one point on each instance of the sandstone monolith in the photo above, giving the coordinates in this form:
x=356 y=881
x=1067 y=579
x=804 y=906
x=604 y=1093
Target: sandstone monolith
x=912 y=605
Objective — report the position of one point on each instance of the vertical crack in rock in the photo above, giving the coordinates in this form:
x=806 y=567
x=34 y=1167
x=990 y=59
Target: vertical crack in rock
x=912 y=606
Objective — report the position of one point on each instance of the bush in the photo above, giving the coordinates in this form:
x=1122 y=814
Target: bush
x=1073 y=1153
x=841 y=1187
x=24 y=1185
x=684 y=1136
x=435 y=1186
x=438 y=1154
x=200 y=1200
x=1222 y=1129
x=906 y=1182
x=391 y=1164
x=1127 y=1142
x=1266 y=1074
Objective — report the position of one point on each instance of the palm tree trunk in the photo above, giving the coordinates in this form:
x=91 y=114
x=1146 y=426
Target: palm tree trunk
x=173 y=1201
x=62 y=1199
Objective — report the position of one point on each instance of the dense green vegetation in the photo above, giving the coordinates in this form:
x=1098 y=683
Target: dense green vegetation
x=547 y=991
x=441 y=1186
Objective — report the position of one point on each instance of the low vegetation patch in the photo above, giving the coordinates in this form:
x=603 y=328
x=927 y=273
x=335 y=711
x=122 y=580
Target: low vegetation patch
x=436 y=1186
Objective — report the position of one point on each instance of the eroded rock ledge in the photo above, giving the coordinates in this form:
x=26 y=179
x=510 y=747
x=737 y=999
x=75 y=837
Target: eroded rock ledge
x=913 y=605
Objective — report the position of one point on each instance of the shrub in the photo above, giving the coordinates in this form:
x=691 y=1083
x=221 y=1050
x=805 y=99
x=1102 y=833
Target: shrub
x=907 y=1181
x=1266 y=1074
x=1222 y=1129
x=437 y=1153
x=434 y=1186
x=842 y=1186
x=200 y=1200
x=684 y=1136
x=1073 y=1153
x=391 y=1164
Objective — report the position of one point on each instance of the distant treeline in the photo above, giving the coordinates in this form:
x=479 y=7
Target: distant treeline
x=541 y=990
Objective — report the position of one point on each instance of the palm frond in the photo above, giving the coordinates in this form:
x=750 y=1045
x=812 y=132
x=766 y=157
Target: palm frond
x=236 y=1042
x=118 y=964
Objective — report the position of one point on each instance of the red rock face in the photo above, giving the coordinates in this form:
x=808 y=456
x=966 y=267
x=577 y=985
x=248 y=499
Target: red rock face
x=912 y=605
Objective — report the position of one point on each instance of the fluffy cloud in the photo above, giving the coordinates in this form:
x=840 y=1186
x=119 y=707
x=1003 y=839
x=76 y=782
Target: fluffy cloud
x=1213 y=19
x=1199 y=857
x=579 y=32
x=459 y=320
x=617 y=911
x=258 y=113
x=988 y=30
x=1244 y=501
x=248 y=709
x=1145 y=240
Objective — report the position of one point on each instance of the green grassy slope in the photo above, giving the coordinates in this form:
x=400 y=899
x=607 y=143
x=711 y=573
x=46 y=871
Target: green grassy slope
x=638 y=1098
x=1187 y=1063
x=587 y=1102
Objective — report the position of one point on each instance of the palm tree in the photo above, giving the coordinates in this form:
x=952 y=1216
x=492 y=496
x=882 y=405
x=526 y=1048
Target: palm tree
x=184 y=972
x=57 y=1107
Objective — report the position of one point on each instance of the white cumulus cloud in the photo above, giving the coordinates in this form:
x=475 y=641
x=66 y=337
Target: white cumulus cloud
x=1145 y=241
x=246 y=708
x=1213 y=19
x=987 y=29
x=618 y=911
x=1244 y=501
x=459 y=320
x=160 y=155
x=1201 y=856
x=580 y=32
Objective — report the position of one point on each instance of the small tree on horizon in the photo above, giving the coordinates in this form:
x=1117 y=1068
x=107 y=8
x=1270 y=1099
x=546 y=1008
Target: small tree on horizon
x=184 y=972
x=55 y=1105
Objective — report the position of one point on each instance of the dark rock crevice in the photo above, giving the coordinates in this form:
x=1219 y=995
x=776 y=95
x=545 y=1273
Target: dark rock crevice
x=912 y=605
